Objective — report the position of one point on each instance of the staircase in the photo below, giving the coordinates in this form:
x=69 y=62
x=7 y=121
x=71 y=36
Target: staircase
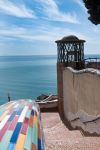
x=58 y=137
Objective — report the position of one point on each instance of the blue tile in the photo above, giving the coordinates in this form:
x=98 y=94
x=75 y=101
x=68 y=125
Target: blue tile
x=43 y=144
x=39 y=144
x=32 y=112
x=16 y=133
x=19 y=111
x=12 y=116
x=11 y=146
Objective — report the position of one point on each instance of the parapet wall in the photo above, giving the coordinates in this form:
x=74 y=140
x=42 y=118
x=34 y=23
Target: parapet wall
x=81 y=97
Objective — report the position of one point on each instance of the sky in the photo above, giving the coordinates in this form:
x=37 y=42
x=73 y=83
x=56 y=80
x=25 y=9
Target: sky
x=31 y=27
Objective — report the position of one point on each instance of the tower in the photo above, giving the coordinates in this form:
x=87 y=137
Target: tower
x=70 y=52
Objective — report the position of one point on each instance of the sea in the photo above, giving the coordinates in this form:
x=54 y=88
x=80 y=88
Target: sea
x=26 y=77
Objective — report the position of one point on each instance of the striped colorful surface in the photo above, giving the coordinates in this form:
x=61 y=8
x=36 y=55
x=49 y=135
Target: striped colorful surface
x=20 y=127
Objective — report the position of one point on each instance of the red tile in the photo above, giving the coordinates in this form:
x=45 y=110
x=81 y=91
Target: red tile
x=25 y=126
x=4 y=129
x=26 y=120
x=14 y=122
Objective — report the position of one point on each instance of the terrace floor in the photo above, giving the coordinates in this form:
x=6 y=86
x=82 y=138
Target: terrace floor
x=58 y=137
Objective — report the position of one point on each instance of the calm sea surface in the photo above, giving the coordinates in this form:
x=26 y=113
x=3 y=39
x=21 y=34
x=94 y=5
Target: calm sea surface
x=27 y=76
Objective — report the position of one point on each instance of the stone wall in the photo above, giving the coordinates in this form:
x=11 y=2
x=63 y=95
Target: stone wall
x=81 y=96
x=60 y=68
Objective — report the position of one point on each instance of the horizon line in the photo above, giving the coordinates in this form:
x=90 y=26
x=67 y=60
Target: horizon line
x=49 y=54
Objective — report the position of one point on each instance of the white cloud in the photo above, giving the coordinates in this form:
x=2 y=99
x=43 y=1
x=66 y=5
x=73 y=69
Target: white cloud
x=42 y=33
x=81 y=4
x=20 y=10
x=52 y=11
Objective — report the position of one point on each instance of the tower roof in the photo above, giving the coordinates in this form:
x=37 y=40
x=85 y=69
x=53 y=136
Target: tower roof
x=70 y=38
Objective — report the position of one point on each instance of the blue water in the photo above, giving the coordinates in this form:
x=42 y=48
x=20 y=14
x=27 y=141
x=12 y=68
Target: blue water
x=92 y=56
x=28 y=76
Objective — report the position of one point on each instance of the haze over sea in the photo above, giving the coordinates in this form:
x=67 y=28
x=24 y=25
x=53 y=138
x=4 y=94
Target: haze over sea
x=28 y=76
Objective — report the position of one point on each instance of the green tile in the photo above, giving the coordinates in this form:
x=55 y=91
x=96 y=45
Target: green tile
x=34 y=134
x=5 y=141
x=28 y=140
x=28 y=114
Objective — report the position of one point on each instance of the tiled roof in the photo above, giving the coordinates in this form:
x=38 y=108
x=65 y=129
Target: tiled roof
x=70 y=38
x=20 y=127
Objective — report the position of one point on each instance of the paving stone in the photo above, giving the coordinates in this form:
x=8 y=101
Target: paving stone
x=59 y=137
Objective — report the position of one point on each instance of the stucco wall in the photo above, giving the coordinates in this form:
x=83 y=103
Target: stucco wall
x=81 y=91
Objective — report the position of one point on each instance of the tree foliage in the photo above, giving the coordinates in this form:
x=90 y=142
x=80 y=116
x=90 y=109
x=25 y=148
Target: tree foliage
x=93 y=7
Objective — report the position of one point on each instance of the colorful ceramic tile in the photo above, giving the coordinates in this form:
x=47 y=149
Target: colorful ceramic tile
x=3 y=115
x=28 y=141
x=5 y=141
x=35 y=135
x=16 y=133
x=20 y=126
x=13 y=123
x=12 y=116
x=4 y=129
x=11 y=146
x=28 y=113
x=34 y=147
x=2 y=123
x=25 y=126
x=31 y=121
x=39 y=144
x=22 y=115
x=20 y=142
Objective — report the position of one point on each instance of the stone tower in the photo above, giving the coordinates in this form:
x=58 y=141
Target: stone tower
x=70 y=52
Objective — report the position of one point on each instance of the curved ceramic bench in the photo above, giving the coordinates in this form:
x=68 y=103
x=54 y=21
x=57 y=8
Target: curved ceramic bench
x=20 y=126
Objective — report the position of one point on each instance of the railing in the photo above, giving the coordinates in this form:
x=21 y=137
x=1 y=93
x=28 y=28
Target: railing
x=92 y=63
x=94 y=59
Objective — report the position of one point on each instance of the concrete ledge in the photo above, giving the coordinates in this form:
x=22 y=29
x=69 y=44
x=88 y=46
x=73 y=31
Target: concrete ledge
x=87 y=70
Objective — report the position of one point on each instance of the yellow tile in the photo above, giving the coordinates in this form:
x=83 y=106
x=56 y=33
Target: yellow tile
x=20 y=142
x=9 y=106
x=3 y=115
x=31 y=122
x=35 y=119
